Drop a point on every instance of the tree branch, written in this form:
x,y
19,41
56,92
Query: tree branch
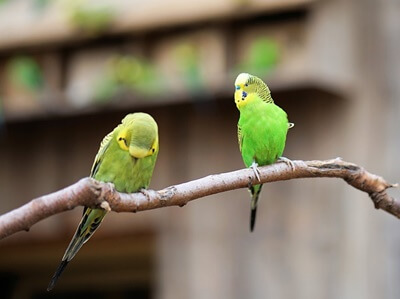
x,y
94,194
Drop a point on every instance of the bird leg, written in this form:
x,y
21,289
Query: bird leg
x,y
254,167
288,162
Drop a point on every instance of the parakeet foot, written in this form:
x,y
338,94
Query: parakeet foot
x,y
288,162
256,171
146,193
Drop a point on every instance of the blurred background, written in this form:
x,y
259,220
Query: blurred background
x,y
70,71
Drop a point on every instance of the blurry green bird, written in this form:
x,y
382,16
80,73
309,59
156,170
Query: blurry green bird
x,y
126,158
262,129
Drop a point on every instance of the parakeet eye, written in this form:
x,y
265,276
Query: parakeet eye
x,y
123,145
122,139
153,150
246,85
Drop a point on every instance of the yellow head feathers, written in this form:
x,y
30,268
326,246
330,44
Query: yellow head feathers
x,y
242,79
247,86
138,134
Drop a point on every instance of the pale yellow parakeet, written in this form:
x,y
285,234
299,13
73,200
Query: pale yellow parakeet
x,y
126,158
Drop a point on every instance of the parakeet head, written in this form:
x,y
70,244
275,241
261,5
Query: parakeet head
x,y
247,87
138,134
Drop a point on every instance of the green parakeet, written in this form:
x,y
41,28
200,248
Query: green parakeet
x,y
262,129
126,158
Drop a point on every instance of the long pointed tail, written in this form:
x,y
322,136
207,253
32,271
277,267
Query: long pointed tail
x,y
56,275
76,243
255,193
89,223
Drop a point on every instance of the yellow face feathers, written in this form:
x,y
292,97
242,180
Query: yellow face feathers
x,y
249,87
138,134
122,139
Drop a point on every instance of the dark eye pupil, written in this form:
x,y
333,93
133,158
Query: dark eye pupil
x,y
153,150
123,139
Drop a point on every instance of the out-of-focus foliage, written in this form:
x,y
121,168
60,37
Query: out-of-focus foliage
x,y
188,61
263,56
41,4
26,73
127,73
90,18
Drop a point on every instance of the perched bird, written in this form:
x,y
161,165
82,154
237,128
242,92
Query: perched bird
x,y
262,130
126,158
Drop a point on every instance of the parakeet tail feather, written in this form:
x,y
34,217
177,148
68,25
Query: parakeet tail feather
x,y
56,275
253,213
255,193
89,223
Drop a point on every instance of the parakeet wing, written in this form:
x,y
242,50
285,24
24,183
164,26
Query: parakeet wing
x,y
91,218
103,148
240,137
